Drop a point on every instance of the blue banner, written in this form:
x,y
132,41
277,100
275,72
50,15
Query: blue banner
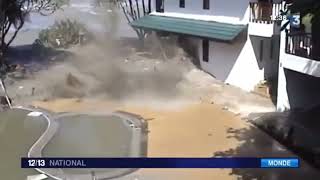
x,y
159,163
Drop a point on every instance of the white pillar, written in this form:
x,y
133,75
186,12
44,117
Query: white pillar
x,y
282,99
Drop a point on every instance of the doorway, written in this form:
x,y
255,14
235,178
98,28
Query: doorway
x,y
159,5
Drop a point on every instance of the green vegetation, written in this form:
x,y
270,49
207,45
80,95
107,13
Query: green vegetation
x,y
62,2
64,34
13,14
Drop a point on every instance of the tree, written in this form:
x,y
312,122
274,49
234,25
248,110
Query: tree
x,y
63,34
134,10
13,14
112,19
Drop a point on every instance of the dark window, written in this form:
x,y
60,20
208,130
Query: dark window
x,y
261,50
159,6
205,50
182,3
206,4
271,48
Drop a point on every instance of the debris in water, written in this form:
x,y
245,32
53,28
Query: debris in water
x,y
32,91
37,177
35,114
3,100
58,42
18,73
73,81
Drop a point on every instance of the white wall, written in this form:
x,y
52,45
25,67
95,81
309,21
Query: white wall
x,y
234,63
239,63
300,64
229,8
246,73
265,30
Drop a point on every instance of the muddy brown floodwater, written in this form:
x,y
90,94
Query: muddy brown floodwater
x,y
194,130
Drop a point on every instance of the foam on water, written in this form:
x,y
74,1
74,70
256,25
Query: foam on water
x,y
84,7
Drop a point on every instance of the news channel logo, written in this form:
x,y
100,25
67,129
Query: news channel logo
x,y
293,19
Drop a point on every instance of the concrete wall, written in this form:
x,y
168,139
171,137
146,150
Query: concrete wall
x,y
239,63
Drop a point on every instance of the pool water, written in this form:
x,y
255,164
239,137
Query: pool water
x,y
18,132
90,136
76,135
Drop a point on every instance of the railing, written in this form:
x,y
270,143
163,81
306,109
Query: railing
x,y
300,44
265,12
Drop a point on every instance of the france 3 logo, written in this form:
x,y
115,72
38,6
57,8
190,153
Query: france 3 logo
x,y
293,19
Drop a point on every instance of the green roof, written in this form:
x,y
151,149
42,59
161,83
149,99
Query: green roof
x,y
198,28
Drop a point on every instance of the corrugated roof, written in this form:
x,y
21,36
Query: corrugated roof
x,y
203,29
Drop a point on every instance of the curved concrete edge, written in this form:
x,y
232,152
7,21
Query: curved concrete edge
x,y
36,148
139,125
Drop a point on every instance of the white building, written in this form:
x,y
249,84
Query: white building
x,y
237,41
299,71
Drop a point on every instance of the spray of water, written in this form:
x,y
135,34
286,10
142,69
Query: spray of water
x,y
111,69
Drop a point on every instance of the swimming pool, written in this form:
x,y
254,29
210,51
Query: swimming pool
x,y
117,134
18,132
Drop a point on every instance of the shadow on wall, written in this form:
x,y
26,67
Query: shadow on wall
x,y
223,56
259,46
303,90
266,52
258,144
191,49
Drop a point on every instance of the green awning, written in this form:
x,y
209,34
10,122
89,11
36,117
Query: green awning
x,y
198,28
